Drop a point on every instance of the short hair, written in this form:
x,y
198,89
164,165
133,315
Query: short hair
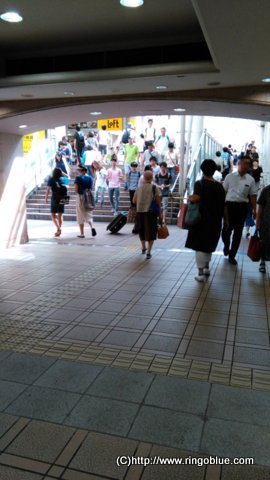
x,y
134,164
218,154
170,145
150,144
113,158
103,127
153,158
150,120
57,173
208,167
147,168
163,164
78,128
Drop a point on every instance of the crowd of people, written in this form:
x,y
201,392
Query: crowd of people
x,y
228,192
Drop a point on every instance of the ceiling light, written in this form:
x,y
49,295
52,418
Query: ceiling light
x,y
22,126
161,87
26,95
266,80
212,84
70,94
95,113
131,3
12,17
179,109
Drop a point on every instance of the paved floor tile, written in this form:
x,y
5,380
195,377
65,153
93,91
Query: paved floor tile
x,y
205,349
151,299
167,427
179,394
170,326
144,310
214,319
161,343
235,439
8,473
98,319
252,322
82,332
213,333
69,376
8,392
41,441
135,322
251,336
252,356
6,421
177,313
121,384
23,368
239,404
103,415
90,456
245,472
65,314
121,339
251,309
44,404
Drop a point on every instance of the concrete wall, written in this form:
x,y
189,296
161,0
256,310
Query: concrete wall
x,y
12,191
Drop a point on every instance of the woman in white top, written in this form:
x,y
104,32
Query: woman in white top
x,y
172,160
114,176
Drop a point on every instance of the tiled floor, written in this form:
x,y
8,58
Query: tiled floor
x,y
104,354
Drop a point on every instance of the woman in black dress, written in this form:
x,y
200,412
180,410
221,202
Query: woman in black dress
x,y
204,236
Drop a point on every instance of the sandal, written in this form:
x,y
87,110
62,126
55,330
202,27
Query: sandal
x,y
80,236
58,233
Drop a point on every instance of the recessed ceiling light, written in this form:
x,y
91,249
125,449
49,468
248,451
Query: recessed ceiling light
x,y
70,94
161,87
179,109
22,126
95,113
266,80
12,17
131,3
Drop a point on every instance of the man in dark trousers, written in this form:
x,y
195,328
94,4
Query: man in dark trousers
x,y
240,189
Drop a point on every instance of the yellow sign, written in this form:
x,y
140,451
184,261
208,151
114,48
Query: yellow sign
x,y
28,140
111,123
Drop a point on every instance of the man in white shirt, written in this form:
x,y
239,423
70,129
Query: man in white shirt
x,y
150,152
162,143
239,187
150,133
104,139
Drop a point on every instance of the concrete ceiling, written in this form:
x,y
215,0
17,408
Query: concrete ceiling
x,y
67,59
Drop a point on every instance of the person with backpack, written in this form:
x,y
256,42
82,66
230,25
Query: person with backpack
x,y
59,192
131,155
164,180
82,183
133,180
79,143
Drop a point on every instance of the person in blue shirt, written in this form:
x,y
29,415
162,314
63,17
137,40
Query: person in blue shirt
x,y
81,183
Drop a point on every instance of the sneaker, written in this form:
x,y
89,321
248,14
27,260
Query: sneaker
x,y
232,261
200,278
226,251
262,268
148,256
94,232
143,251
206,272
247,235
80,236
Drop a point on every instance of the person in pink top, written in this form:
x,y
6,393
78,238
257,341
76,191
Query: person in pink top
x,y
114,177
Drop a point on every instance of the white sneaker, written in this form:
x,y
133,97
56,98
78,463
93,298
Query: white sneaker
x,y
206,272
200,278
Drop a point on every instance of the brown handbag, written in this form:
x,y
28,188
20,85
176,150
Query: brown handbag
x,y
163,232
255,248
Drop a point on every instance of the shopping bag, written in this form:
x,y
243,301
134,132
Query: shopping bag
x,y
255,248
181,216
162,232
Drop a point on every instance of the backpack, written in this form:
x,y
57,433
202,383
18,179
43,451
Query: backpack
x,y
80,139
88,201
61,194
125,136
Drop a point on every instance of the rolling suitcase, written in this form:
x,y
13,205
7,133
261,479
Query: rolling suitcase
x,y
118,222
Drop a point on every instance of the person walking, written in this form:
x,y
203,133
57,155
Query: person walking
x,y
204,236
83,182
114,176
146,220
263,226
55,184
240,188
100,184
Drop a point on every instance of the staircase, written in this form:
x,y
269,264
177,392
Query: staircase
x,y
37,209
